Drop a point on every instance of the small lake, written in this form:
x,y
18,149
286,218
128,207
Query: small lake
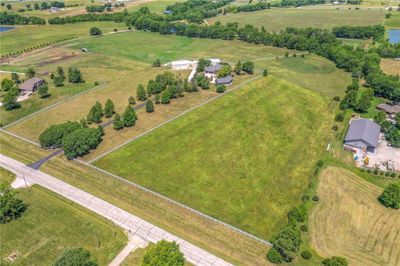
x,y
3,28
394,36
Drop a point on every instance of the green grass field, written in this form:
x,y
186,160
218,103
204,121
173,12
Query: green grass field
x,y
280,19
28,36
245,158
52,224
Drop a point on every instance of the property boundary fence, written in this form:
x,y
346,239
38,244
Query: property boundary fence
x,y
54,105
240,231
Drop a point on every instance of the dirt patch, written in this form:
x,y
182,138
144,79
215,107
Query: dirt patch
x,y
56,59
390,66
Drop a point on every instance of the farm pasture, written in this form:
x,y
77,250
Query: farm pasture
x,y
237,158
280,18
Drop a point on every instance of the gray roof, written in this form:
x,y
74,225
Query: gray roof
x,y
224,80
31,84
365,130
213,68
390,109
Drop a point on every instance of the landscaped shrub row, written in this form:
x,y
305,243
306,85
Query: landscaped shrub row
x,y
382,173
36,47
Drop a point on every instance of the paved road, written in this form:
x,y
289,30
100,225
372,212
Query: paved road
x,y
134,243
129,222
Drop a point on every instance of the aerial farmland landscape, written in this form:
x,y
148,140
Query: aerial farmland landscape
x,y
200,132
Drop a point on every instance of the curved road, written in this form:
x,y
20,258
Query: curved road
x,y
129,222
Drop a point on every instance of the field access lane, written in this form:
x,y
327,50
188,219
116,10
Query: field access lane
x,y
129,222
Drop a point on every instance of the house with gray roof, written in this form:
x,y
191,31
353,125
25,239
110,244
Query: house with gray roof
x,y
388,108
224,80
31,85
363,134
213,69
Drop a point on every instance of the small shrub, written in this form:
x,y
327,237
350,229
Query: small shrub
x,y
376,171
335,128
336,98
305,198
306,255
369,171
387,174
303,228
393,175
339,117
274,256
96,83
315,198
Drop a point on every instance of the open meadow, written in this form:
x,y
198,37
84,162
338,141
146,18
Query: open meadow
x,y
349,221
55,224
250,182
216,238
23,37
279,19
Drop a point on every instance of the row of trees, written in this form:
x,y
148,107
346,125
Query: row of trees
x,y
195,11
118,17
356,99
15,19
360,32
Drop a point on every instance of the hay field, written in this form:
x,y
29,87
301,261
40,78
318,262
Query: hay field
x,y
350,222
281,18
237,158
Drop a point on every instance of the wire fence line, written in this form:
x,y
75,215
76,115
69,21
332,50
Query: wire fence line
x,y
240,231
19,137
170,120
54,105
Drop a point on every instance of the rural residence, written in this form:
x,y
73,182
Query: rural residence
x,y
31,85
224,81
363,134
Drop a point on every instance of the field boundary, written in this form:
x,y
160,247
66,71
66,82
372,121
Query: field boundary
x,y
170,120
240,231
53,105
19,137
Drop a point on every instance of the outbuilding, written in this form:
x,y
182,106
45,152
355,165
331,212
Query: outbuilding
x,y
224,81
363,134
31,85
388,108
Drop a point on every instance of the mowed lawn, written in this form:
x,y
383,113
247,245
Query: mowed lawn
x,y
281,18
245,159
52,224
28,36
349,221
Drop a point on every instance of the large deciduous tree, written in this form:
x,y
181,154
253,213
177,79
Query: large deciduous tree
x,y
163,253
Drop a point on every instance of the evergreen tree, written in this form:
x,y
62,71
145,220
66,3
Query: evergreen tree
x,y
60,73
94,31
129,117
95,113
118,123
83,122
58,81
149,106
238,68
265,72
74,75
43,91
248,67
165,97
157,63
141,93
10,99
109,108
6,84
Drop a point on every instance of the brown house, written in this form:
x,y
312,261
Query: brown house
x,y
29,86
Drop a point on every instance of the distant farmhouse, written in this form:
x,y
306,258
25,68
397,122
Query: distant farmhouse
x,y
212,71
363,134
224,81
31,85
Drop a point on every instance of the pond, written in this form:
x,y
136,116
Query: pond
x,y
3,29
394,36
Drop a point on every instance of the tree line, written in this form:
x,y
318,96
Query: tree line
x,y
15,19
360,32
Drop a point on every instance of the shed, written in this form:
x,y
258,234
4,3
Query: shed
x,y
30,85
363,134
213,69
224,81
